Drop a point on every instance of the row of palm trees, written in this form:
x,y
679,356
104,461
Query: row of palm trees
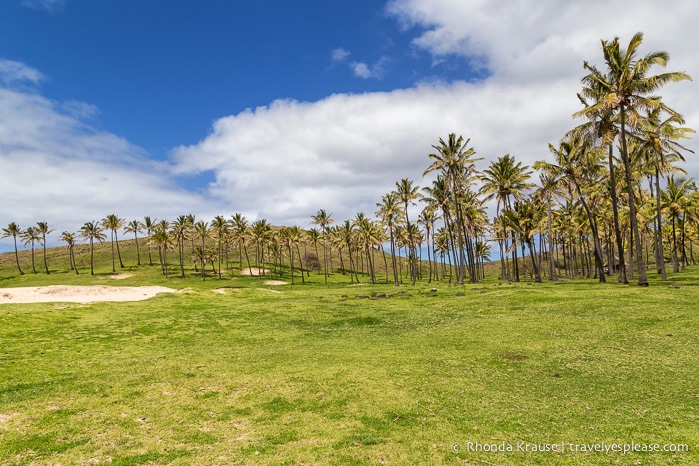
x,y
591,215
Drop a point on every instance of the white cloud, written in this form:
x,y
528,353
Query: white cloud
x,y
48,5
364,71
56,168
285,161
14,72
339,55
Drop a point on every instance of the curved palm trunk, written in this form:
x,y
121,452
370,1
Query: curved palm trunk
x,y
595,237
17,256
92,257
615,210
116,236
46,265
552,268
532,255
659,252
138,252
640,266
393,255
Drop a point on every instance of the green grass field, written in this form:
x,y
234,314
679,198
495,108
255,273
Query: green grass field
x,y
313,375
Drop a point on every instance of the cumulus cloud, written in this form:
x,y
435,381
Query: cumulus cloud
x,y
47,5
14,72
339,55
57,168
286,160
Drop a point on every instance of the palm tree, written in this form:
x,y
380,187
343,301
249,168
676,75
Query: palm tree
x,y
219,225
658,144
601,130
201,232
454,159
31,236
69,238
428,218
576,167
525,219
13,230
675,200
162,239
148,225
134,226
92,232
323,219
407,193
113,223
389,209
625,89
43,229
180,229
240,224
505,179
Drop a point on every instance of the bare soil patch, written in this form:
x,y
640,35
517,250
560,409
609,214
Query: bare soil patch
x,y
79,294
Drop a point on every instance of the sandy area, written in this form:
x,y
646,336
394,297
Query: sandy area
x,y
275,282
79,294
255,272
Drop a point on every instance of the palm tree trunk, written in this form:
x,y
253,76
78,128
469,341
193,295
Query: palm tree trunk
x,y
659,253
642,279
17,256
615,209
552,268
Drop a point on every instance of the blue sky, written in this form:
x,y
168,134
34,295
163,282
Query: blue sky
x,y
159,72
277,109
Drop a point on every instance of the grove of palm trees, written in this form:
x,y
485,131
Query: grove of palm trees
x,y
611,201
461,322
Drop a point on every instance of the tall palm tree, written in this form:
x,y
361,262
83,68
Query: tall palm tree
x,y
134,226
180,229
428,218
455,160
31,236
148,226
506,179
407,194
657,139
202,232
113,223
323,219
626,88
240,224
601,129
13,230
675,201
69,238
44,230
389,210
219,225
578,167
163,240
92,232
525,219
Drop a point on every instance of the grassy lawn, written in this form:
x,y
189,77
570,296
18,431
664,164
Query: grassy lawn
x,y
259,374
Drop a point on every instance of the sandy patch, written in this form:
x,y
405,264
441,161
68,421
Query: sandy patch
x,y
79,294
121,276
219,291
254,272
275,282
